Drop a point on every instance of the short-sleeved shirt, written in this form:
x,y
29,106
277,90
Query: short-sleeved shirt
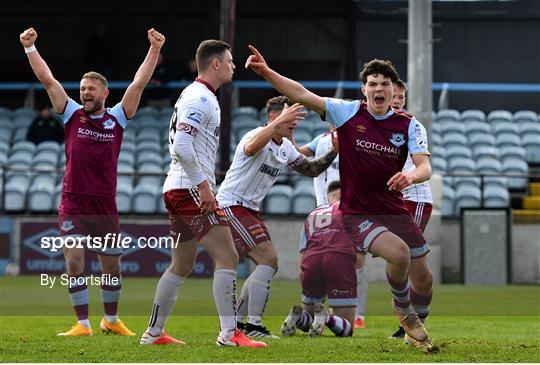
x,y
250,177
92,148
320,147
373,149
323,232
420,193
196,112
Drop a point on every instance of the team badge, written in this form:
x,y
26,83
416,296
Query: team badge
x,y
83,119
283,154
398,139
108,124
194,115
365,225
67,225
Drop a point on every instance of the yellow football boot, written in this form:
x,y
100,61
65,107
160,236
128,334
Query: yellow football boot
x,y
118,328
77,330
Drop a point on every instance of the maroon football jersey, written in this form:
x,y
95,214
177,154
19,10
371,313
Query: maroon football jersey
x,y
92,149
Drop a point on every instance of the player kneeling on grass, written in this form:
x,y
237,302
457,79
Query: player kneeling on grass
x,y
260,156
327,270
88,205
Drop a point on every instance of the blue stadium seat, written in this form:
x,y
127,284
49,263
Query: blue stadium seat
x,y
166,112
166,162
45,160
438,164
19,135
435,127
496,196
156,179
49,146
517,166
125,174
148,147
45,178
147,111
531,143
438,151
148,134
241,127
504,140
436,139
123,197
499,116
145,198
5,112
529,128
129,136
478,140
457,152
472,116
447,208
278,200
15,196
525,116
303,199
452,127
126,158
40,196
444,115
505,128
23,146
247,111
486,152
24,112
467,196
513,152
152,158
488,165
460,164
454,139
20,159
474,127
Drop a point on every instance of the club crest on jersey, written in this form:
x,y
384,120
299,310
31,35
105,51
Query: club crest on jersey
x,y
365,225
283,154
398,139
83,119
108,124
67,225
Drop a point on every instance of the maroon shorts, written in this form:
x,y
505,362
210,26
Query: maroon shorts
x,y
365,229
331,274
247,228
83,215
420,212
185,219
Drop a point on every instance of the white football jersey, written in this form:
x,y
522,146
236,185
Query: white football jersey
x,y
321,182
197,107
250,177
420,193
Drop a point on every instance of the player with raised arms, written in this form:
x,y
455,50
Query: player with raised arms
x,y
259,158
374,143
88,205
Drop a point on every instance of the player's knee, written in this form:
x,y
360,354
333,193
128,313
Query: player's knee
x,y
182,270
74,265
401,255
423,283
270,259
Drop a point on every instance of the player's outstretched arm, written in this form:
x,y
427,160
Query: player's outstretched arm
x,y
261,138
421,173
56,92
314,168
290,88
132,97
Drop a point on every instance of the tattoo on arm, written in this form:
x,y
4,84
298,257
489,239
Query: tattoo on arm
x,y
314,167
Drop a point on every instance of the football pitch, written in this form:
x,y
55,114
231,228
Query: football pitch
x,y
468,324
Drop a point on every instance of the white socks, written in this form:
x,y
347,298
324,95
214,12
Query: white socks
x,y
224,288
255,293
85,323
361,292
164,301
259,290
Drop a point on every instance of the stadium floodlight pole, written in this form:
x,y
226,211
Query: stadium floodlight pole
x,y
420,62
226,33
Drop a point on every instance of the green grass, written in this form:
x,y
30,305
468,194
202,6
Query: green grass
x,y
468,324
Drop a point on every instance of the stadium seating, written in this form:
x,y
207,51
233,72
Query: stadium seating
x,y
278,200
145,198
40,196
303,199
472,116
499,116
